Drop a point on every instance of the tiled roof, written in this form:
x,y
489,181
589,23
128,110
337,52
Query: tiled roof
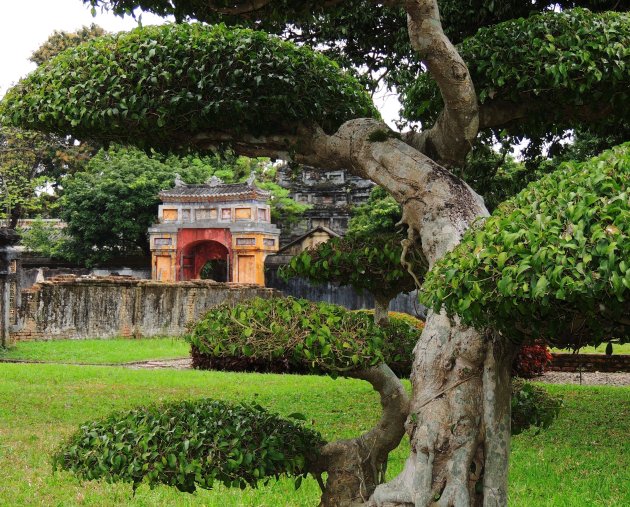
x,y
214,192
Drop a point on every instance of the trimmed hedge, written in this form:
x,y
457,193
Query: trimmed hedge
x,y
190,444
159,86
295,335
532,407
551,263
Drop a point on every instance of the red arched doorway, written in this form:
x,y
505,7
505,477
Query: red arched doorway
x,y
208,258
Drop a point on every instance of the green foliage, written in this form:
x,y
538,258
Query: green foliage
x,y
496,175
46,239
189,445
364,262
159,86
532,406
378,215
550,263
359,34
301,335
559,59
30,161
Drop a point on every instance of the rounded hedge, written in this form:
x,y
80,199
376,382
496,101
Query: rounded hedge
x,y
558,59
553,262
190,444
160,85
298,336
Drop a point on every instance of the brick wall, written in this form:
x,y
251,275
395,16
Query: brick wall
x,y
103,307
590,362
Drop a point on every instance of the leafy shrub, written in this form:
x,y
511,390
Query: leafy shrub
x,y
160,85
532,406
190,444
531,360
550,263
298,336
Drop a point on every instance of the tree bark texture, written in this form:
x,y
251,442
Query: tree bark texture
x,y
381,310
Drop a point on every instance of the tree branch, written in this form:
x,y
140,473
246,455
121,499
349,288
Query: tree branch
x,y
356,466
450,139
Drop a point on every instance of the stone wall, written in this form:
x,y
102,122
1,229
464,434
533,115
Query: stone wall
x,y
590,362
103,307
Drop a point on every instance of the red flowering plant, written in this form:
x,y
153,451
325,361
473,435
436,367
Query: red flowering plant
x,y
531,360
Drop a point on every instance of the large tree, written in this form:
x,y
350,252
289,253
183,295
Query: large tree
x,y
33,163
195,87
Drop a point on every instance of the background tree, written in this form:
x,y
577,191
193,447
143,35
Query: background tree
x,y
32,163
61,40
191,86
367,258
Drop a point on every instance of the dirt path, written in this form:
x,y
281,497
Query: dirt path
x,y
160,364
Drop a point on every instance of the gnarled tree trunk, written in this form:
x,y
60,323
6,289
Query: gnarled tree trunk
x,y
356,466
459,418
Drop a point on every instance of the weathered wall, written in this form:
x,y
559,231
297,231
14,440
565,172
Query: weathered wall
x,y
104,307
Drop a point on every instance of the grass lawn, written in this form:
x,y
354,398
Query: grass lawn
x,y
623,348
120,350
583,460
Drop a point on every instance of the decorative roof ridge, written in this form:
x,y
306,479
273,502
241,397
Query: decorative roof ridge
x,y
215,188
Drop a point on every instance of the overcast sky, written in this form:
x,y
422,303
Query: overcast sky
x,y
26,24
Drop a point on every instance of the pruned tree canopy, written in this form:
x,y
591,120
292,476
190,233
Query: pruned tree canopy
x,y
370,263
552,262
160,86
531,72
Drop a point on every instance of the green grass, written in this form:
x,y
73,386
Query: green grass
x,y
119,350
623,348
582,460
